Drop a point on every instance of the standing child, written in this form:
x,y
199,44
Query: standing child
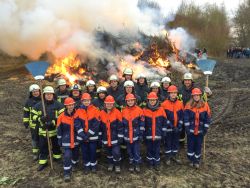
x,y
174,112
87,126
34,98
196,121
112,133
67,138
155,129
133,123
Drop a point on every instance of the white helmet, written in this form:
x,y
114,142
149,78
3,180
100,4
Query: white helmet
x,y
128,71
34,87
166,79
48,89
101,89
141,75
129,83
90,83
113,77
188,76
155,84
61,82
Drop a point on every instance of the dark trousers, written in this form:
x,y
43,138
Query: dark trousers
x,y
153,151
44,152
171,143
70,155
133,150
194,145
34,140
114,154
89,154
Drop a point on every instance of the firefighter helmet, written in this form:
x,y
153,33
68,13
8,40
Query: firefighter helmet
x,y
86,96
48,89
172,89
109,99
129,83
61,82
69,101
130,96
76,87
101,89
196,91
113,78
141,75
188,76
90,83
155,84
34,87
152,95
127,71
166,79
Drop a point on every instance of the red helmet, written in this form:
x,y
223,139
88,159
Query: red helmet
x,y
86,96
152,95
69,101
109,99
172,89
130,96
196,91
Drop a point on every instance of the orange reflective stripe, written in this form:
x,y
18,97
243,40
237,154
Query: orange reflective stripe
x,y
197,119
130,130
108,133
175,114
153,126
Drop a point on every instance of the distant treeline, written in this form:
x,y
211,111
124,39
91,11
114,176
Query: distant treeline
x,y
212,27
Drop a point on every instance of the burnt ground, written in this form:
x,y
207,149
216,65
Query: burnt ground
x,y
227,145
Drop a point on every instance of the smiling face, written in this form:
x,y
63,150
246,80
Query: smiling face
x,y
152,102
128,77
109,106
131,102
113,83
70,108
76,93
86,102
155,89
141,81
129,89
165,85
36,93
196,98
188,83
102,95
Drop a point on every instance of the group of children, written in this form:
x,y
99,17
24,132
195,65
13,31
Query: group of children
x,y
102,119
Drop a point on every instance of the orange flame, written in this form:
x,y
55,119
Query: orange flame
x,y
68,66
103,83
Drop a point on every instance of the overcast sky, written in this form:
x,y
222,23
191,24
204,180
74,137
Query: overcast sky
x,y
230,5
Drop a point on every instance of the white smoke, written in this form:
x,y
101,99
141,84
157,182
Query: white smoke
x,y
35,27
182,40
58,27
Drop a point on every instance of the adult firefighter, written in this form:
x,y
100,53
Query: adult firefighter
x,y
62,91
165,83
141,88
34,98
91,88
114,89
53,110
76,94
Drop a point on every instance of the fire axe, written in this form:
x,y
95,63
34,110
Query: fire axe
x,y
38,70
207,67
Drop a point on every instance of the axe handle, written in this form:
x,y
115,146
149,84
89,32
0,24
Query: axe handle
x,y
47,132
204,143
